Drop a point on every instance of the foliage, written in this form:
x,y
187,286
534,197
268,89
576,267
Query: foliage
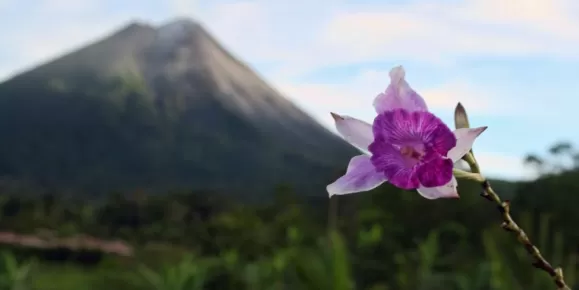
x,y
188,273
13,274
383,239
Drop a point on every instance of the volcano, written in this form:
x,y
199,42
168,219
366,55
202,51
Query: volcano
x,y
160,108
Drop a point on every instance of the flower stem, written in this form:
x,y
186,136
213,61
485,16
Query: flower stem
x,y
511,226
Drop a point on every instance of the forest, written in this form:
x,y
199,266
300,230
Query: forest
x,y
383,239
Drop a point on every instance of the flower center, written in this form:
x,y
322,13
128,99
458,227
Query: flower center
x,y
411,155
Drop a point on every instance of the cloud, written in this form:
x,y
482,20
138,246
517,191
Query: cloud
x,y
477,100
264,31
53,28
35,48
447,31
184,8
510,167
549,17
355,96
69,7
243,27
301,36
441,32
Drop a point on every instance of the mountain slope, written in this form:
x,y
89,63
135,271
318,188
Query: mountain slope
x,y
159,107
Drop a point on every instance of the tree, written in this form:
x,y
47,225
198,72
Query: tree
x,y
536,162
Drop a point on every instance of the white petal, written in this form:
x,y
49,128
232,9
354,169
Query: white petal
x,y
357,132
360,176
464,139
445,191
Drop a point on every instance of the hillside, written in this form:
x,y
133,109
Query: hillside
x,y
159,108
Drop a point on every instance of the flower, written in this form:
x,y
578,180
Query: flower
x,y
407,145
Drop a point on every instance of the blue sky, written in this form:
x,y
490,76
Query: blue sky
x,y
513,64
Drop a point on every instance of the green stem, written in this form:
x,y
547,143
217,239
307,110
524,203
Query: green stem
x,y
511,226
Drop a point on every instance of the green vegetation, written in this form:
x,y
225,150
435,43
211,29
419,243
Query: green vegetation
x,y
386,239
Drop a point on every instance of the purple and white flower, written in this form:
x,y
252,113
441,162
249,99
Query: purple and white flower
x,y
407,145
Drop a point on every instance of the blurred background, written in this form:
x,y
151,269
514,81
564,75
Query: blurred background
x,y
182,144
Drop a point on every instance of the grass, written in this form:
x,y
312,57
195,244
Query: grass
x,y
505,266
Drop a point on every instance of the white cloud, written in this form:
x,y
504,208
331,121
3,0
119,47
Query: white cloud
x,y
355,96
53,28
477,100
438,32
263,31
301,36
43,47
69,7
511,167
184,7
445,31
553,17
243,27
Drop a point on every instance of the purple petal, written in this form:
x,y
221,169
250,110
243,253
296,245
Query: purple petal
x,y
445,191
465,138
388,160
357,132
360,176
399,95
400,127
435,171
441,140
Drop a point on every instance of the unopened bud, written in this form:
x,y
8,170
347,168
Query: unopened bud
x,y
460,117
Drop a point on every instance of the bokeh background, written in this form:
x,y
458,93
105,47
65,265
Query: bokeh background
x,y
186,144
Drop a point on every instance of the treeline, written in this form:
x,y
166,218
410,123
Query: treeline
x,y
388,239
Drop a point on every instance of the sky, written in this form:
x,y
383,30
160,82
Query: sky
x,y
514,64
